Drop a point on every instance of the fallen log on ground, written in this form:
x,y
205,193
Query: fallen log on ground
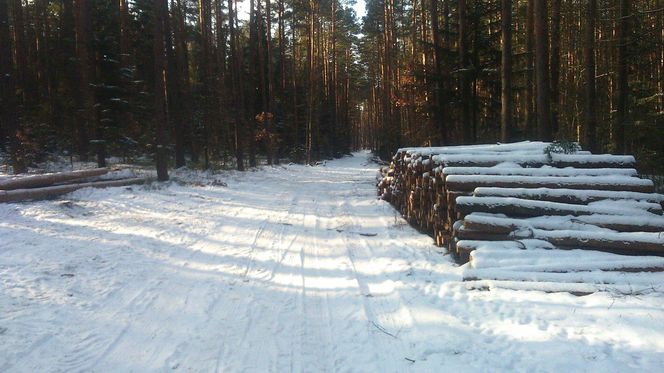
x,y
19,195
45,180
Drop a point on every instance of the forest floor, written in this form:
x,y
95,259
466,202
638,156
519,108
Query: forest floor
x,y
287,268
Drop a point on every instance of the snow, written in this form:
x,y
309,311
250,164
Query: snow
x,y
124,173
581,194
570,222
517,154
534,158
558,208
593,158
578,181
633,238
523,147
509,168
287,269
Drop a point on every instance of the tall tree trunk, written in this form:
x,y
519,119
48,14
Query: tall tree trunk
x,y
8,110
221,77
296,119
83,95
282,50
310,93
622,109
542,71
439,97
160,90
204,14
20,48
589,133
272,152
506,72
254,99
239,107
181,81
44,75
124,34
555,65
173,87
262,67
530,68
333,84
466,116
70,70
125,55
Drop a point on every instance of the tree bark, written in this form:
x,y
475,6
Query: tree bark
x,y
439,112
333,83
20,49
254,98
270,86
239,109
160,91
555,65
310,63
542,71
204,24
466,116
8,102
589,133
506,72
622,109
83,95
180,115
530,68
263,85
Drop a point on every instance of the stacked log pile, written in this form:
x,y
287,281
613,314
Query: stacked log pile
x,y
523,199
55,184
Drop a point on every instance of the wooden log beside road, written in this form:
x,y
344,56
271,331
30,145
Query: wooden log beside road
x,y
18,195
37,181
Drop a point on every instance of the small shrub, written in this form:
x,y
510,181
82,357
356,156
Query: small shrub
x,y
562,146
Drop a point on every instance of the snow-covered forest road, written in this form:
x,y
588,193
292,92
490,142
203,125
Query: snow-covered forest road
x,y
286,269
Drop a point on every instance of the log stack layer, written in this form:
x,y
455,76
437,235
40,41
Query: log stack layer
x,y
477,199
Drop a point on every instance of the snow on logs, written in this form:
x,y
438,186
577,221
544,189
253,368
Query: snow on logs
x,y
37,181
468,183
524,199
55,184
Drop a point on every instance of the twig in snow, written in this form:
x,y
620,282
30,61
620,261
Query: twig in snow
x,y
409,359
383,330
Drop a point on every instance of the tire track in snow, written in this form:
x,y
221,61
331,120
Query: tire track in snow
x,y
138,306
252,317
315,339
378,309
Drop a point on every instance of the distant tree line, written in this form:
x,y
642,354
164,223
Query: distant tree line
x,y
190,81
179,79
473,71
